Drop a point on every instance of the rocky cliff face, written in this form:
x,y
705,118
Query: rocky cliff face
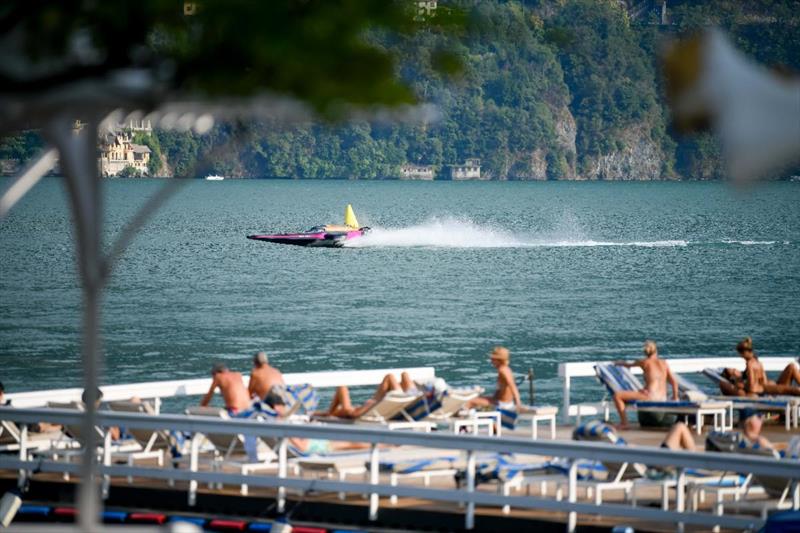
x,y
535,165
640,158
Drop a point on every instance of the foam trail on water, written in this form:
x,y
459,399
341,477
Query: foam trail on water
x,y
454,233
440,233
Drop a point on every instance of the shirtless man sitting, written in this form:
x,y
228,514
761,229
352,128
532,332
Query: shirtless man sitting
x,y
506,396
231,386
262,378
656,374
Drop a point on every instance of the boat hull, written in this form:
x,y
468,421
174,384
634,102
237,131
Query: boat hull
x,y
314,240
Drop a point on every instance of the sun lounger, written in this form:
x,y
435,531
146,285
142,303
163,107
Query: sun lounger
x,y
788,406
512,473
445,408
70,444
228,449
392,407
399,464
11,436
617,379
618,476
779,492
746,486
153,443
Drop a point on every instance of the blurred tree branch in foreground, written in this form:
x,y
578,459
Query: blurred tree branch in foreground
x,y
149,51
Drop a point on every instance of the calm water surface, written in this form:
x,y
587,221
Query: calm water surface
x,y
556,271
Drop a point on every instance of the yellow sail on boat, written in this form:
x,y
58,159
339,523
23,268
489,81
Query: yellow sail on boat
x,y
350,217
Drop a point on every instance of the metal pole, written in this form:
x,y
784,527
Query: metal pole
x,y
680,496
282,463
194,449
23,455
469,521
572,497
107,462
373,479
530,386
565,398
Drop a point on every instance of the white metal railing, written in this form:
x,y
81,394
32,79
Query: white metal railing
x,y
469,445
157,390
568,371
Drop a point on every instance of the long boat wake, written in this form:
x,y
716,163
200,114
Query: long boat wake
x,y
456,233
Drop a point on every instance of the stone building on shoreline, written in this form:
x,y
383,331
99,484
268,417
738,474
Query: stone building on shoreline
x,y
117,152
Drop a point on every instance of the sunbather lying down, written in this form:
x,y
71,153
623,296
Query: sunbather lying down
x,y
324,447
342,407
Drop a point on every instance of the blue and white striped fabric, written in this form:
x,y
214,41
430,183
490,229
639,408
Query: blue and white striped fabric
x,y
715,375
597,431
259,408
500,468
422,407
412,465
303,393
508,418
617,378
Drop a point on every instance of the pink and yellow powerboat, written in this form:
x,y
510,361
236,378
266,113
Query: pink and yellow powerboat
x,y
328,236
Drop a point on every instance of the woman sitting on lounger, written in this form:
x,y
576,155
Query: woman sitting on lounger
x,y
754,381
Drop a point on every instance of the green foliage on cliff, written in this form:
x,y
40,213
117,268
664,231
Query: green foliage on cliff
x,y
155,163
549,90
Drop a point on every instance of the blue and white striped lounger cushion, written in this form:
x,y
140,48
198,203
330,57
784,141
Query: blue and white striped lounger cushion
x,y
597,431
500,468
617,378
421,408
412,465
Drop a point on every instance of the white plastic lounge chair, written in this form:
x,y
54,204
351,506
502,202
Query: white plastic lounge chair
x,y
617,379
71,440
788,406
732,485
231,450
391,407
781,493
431,410
153,443
10,438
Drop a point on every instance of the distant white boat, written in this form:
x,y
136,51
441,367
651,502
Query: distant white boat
x,y
215,177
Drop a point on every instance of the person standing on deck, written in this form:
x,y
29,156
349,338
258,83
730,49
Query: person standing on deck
x,y
231,386
262,378
656,374
506,396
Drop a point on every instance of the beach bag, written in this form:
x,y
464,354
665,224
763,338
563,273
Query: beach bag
x,y
723,441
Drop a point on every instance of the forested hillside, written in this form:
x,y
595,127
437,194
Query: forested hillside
x,y
559,89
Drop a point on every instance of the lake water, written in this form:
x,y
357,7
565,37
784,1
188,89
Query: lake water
x,y
555,271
